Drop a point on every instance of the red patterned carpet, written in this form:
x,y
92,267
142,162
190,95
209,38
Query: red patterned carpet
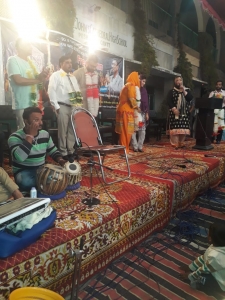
x,y
151,270
162,181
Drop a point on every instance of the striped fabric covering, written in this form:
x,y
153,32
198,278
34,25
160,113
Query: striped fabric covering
x,y
151,270
25,155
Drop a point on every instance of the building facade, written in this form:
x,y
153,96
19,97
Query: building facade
x,y
106,25
195,17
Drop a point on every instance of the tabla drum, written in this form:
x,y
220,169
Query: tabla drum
x,y
74,172
51,179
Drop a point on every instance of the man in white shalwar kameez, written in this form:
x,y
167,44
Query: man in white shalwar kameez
x,y
219,124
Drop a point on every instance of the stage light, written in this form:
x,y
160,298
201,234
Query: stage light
x,y
27,18
93,42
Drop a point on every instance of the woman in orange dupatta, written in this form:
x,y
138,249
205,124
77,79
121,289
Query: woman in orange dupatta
x,y
125,110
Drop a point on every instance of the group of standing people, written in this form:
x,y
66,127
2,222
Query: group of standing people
x,y
132,113
27,86
180,108
29,145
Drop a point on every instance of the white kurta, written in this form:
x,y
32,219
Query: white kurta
x,y
219,113
137,115
60,87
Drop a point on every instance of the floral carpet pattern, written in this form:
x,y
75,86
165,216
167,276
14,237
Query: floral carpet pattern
x,y
128,211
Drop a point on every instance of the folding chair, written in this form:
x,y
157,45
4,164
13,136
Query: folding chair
x,y
88,140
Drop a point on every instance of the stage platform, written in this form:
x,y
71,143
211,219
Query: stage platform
x,y
163,181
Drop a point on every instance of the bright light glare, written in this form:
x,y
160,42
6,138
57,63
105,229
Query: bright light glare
x,y
27,18
93,42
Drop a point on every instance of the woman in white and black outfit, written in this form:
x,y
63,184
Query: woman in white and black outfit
x,y
179,124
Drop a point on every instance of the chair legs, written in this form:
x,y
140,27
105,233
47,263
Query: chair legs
x,y
103,172
101,154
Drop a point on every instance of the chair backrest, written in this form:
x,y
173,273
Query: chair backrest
x,y
85,128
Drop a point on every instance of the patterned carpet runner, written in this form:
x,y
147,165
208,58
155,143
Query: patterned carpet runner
x,y
151,270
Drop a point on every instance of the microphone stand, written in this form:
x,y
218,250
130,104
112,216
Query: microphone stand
x,y
93,200
77,253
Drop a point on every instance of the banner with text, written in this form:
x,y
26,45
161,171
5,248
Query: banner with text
x,y
109,68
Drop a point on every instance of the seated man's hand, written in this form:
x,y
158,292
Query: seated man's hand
x,y
32,129
17,194
61,161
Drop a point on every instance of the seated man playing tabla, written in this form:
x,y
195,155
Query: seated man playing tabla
x,y
29,147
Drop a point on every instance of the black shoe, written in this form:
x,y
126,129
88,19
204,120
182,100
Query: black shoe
x,y
135,150
140,150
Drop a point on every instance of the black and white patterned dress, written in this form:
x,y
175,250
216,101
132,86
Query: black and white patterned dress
x,y
180,124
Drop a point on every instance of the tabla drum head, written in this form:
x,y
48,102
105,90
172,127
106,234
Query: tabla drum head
x,y
73,168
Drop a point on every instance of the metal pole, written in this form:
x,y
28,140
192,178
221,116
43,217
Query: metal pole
x,y
77,253
91,181
76,274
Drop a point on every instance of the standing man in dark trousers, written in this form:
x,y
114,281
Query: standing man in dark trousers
x,y
61,83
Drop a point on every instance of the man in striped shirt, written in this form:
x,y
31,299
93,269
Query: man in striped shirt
x,y
207,272
29,147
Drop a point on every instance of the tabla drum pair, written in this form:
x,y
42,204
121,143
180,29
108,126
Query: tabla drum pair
x,y
53,180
